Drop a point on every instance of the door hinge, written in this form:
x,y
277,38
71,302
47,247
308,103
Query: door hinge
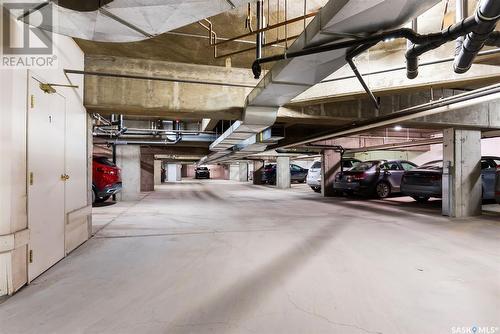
x,y
31,178
30,256
32,101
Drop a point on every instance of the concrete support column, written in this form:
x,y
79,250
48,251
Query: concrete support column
x,y
243,172
234,172
462,188
128,158
283,177
174,172
225,172
157,172
258,167
147,172
330,164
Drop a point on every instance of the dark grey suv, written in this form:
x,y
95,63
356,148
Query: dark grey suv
x,y
375,177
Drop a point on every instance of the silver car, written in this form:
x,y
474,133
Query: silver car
x,y
314,175
379,177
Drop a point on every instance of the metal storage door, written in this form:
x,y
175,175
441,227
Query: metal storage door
x,y
46,178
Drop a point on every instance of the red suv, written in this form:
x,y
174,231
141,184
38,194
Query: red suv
x,y
106,179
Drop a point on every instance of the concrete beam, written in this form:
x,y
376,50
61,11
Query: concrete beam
x,y
208,124
343,85
167,99
483,116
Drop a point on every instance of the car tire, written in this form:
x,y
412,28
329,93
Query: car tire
x,y
94,197
421,199
382,190
337,193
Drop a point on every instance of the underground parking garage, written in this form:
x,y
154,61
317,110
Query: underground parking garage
x,y
265,166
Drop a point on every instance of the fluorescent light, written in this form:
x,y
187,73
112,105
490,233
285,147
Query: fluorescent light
x,y
398,128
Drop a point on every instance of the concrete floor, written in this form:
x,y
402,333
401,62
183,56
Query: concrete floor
x,y
222,257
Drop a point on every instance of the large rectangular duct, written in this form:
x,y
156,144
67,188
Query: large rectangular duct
x,y
338,20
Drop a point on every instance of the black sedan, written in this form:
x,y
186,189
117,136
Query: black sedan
x,y
202,173
297,174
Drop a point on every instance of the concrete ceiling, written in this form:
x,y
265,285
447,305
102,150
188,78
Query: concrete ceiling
x,y
190,44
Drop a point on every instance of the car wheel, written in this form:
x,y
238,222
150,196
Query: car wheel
x,y
382,190
94,197
421,199
102,199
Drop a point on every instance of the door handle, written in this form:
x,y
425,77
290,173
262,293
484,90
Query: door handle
x,y
64,177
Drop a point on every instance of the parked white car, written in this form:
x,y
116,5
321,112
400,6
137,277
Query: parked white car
x,y
314,175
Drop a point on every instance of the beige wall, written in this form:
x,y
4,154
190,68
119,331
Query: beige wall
x,y
14,232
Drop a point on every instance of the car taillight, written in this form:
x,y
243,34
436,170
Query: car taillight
x,y
358,177
105,171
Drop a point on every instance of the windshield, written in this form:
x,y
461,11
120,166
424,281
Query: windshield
x,y
433,165
317,164
202,168
104,161
364,166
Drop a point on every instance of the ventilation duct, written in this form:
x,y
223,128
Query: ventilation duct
x,y
124,20
337,21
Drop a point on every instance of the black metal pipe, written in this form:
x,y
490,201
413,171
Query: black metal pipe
x,y
486,17
449,34
421,43
349,58
391,34
461,12
400,68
